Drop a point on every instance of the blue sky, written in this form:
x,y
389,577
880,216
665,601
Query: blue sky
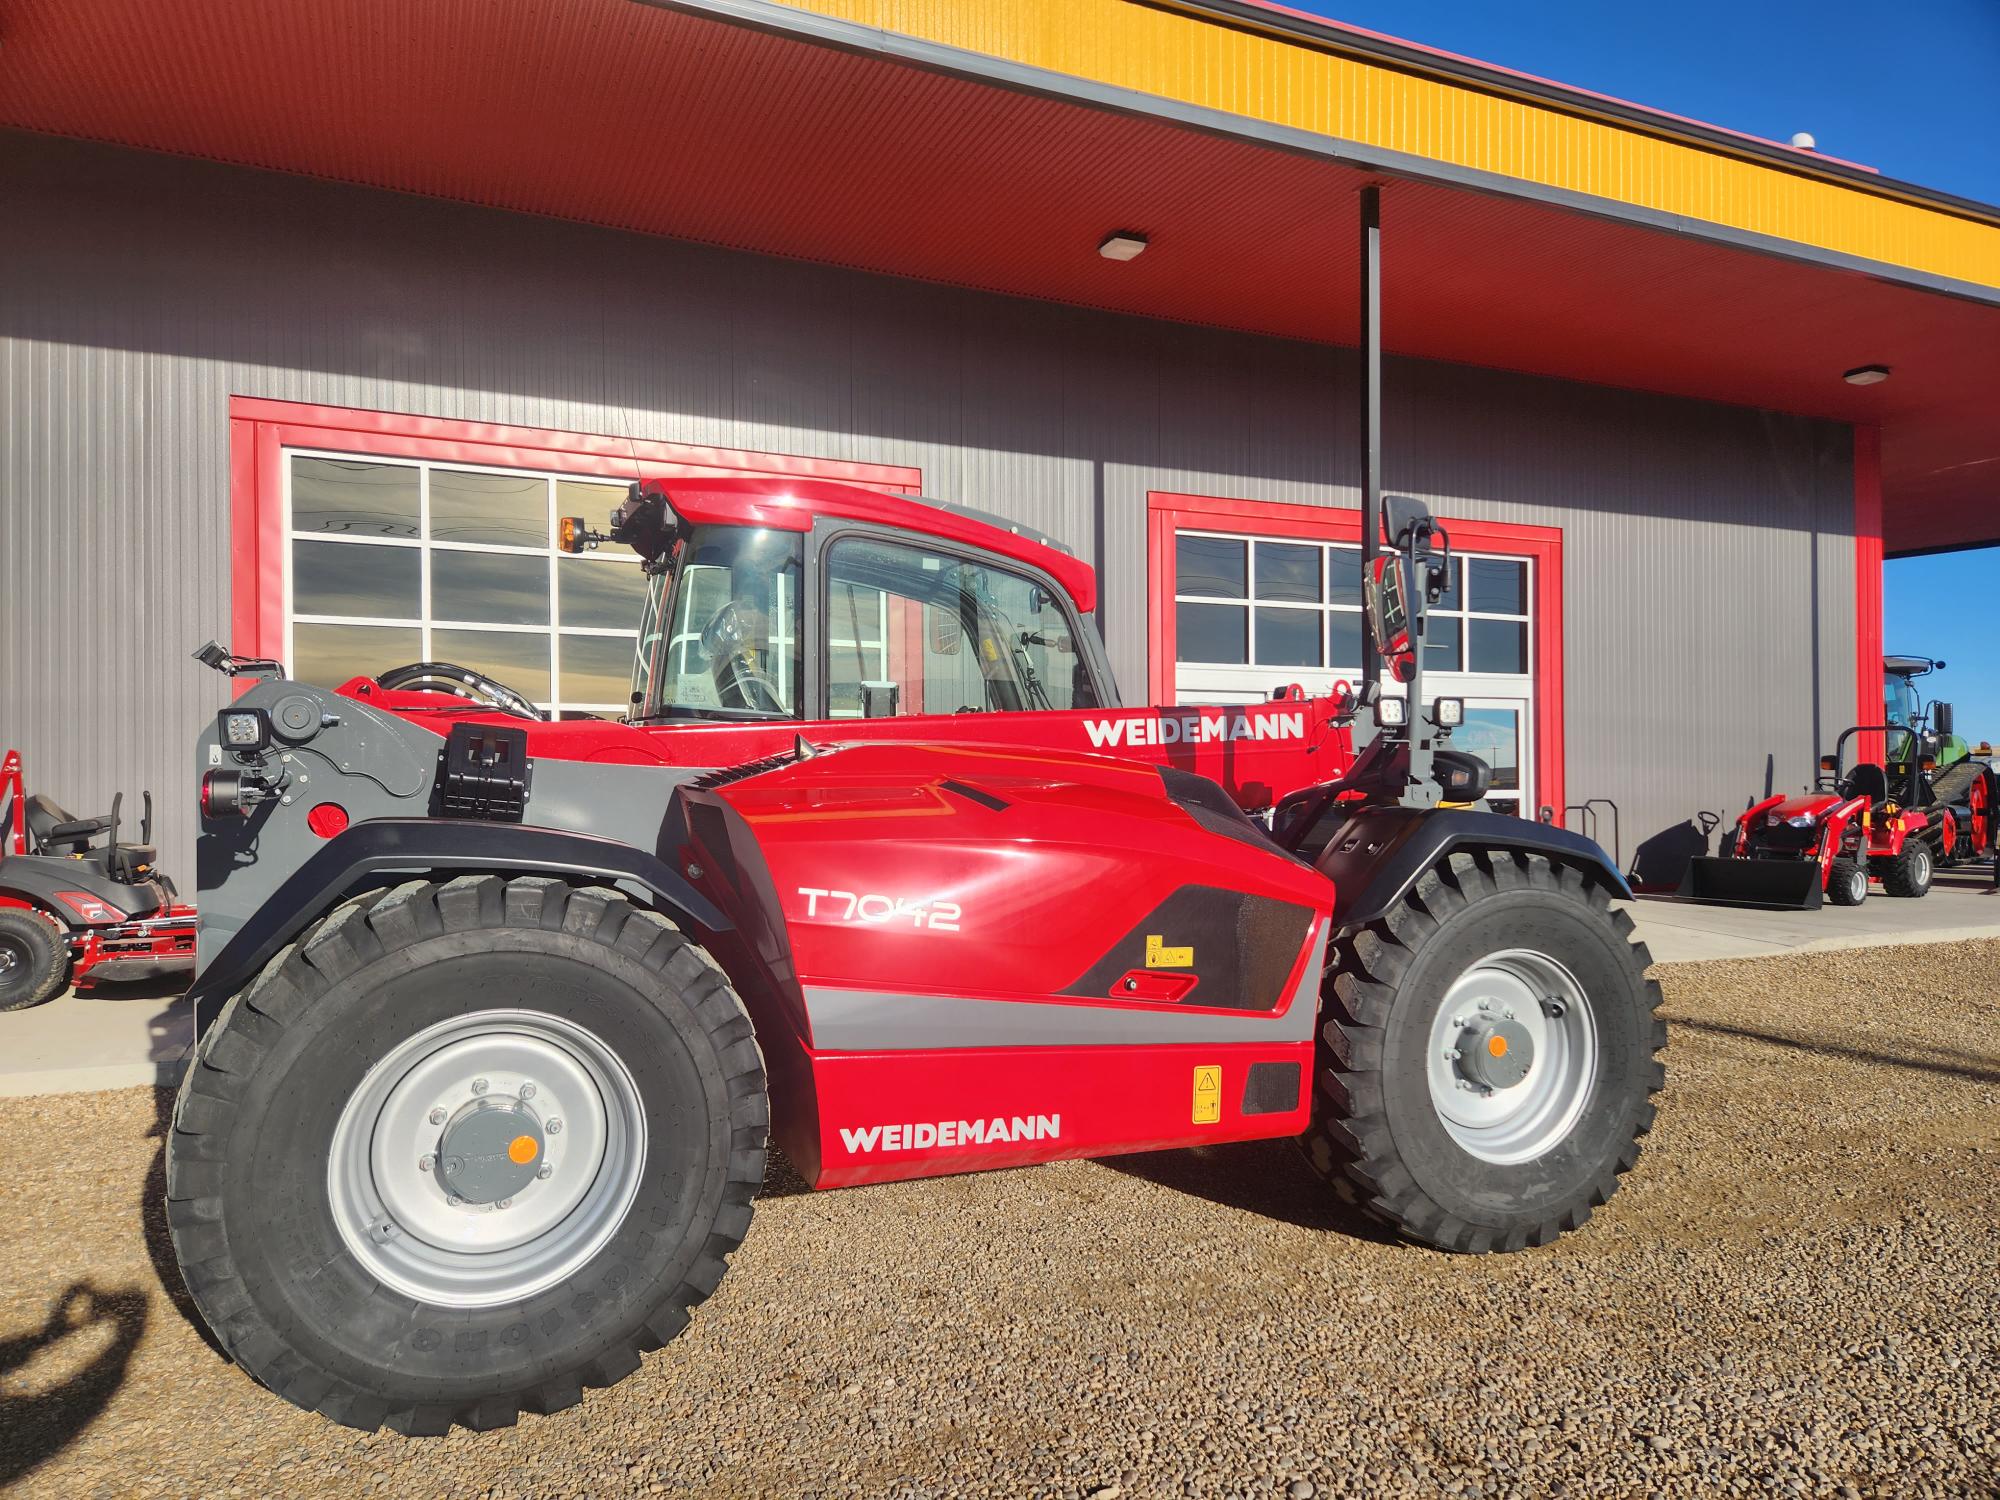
x,y
1913,90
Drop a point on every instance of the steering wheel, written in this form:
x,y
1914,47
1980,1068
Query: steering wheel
x,y
460,682
725,638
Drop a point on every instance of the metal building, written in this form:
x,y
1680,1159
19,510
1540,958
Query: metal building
x,y
312,319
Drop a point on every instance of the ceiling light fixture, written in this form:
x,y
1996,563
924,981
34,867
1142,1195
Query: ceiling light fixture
x,y
1866,375
1122,244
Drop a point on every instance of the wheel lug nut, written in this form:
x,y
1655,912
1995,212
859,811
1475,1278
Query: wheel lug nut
x,y
546,1172
1507,1015
437,1117
527,1091
1451,1054
505,1203
479,1085
554,1127
455,1201
425,1163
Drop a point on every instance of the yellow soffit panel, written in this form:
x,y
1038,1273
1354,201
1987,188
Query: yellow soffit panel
x,y
1129,44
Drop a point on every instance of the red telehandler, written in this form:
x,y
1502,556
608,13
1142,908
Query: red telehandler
x,y
496,1013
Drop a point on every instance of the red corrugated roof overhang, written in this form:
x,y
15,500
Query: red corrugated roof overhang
x,y
651,119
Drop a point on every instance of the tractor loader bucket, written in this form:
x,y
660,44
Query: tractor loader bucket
x,y
1775,884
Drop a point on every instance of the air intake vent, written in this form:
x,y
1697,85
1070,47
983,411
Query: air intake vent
x,y
723,775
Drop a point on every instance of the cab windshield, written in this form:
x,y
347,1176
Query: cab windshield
x,y
1900,701
721,636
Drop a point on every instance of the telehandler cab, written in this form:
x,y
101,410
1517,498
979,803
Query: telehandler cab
x,y
496,1013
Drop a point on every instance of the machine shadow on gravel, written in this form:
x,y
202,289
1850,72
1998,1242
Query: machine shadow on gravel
x,y
1267,1178
153,1217
1967,1065
40,1420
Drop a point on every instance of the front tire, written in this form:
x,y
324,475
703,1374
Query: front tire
x,y
34,960
1487,1058
464,1150
1909,873
1847,882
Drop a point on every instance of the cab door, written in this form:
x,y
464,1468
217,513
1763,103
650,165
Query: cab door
x,y
905,625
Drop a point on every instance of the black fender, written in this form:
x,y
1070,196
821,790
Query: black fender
x,y
372,853
37,877
1379,853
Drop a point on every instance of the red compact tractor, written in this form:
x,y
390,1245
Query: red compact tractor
x,y
77,905
1900,818
497,1013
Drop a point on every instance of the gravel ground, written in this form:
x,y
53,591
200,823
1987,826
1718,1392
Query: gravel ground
x,y
1798,1292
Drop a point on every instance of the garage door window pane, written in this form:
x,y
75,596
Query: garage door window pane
x,y
607,594
597,669
1497,587
1443,651
1494,735
494,588
329,655
1288,637
1211,566
1343,639
350,497
509,510
1211,632
1287,571
594,502
1499,645
1343,583
329,578
519,660
1454,575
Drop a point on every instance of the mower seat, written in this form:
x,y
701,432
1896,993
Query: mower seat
x,y
54,830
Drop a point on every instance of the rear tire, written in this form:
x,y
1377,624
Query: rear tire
x,y
34,960
1847,882
306,1186
1909,873
1487,936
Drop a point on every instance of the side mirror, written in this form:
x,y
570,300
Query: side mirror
x,y
1388,613
1941,718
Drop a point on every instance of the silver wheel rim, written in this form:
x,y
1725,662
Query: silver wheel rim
x,y
1920,867
558,1086
1527,992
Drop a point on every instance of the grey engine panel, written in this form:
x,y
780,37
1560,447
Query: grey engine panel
x,y
379,765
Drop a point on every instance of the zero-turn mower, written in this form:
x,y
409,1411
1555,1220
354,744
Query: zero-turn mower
x,y
78,905
496,1013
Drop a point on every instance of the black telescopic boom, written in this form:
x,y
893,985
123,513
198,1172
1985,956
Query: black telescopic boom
x,y
1371,413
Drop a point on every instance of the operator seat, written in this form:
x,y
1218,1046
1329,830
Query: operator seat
x,y
52,830
1869,780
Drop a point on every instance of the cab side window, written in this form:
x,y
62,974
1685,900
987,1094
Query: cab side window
x,y
913,631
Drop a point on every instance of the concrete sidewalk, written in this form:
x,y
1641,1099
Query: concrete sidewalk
x,y
117,1038
113,1038
1960,907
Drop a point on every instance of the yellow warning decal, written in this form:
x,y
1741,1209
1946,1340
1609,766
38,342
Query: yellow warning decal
x,y
1208,1094
1160,956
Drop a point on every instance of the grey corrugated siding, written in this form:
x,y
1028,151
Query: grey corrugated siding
x,y
138,293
